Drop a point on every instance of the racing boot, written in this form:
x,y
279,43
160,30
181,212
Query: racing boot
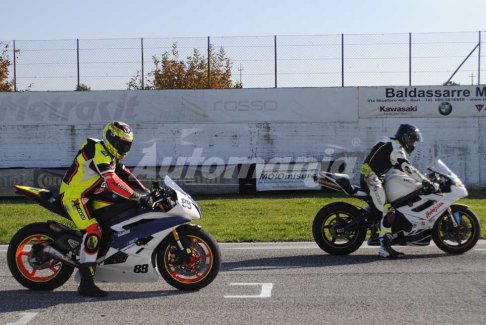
x,y
87,287
386,250
374,239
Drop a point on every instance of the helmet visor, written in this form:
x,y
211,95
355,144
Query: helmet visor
x,y
124,147
418,136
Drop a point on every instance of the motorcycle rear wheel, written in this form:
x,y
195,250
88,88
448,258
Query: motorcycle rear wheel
x,y
327,223
29,271
460,239
194,271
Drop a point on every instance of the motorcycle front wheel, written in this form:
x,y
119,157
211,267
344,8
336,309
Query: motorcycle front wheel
x,y
191,270
460,239
329,229
28,265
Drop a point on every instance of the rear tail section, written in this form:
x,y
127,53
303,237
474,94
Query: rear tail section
x,y
44,197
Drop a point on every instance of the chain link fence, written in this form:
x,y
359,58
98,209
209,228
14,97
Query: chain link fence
x,y
258,61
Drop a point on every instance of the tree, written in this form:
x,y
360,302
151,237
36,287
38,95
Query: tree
x,y
5,83
451,83
83,87
172,73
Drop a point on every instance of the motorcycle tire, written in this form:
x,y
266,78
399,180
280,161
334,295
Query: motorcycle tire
x,y
193,271
324,229
29,272
449,238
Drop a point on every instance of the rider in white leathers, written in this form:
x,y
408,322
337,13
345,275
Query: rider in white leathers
x,y
386,154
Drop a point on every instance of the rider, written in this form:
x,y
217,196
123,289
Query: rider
x,y
97,166
386,154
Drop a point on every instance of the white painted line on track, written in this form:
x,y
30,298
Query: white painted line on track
x,y
25,319
266,291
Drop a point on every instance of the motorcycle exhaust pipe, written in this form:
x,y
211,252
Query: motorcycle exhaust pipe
x,y
54,253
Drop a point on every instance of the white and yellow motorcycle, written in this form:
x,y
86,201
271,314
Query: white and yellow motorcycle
x,y
340,228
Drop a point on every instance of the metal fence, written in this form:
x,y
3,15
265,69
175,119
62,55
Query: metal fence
x,y
258,61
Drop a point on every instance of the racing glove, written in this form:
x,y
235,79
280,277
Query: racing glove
x,y
431,186
144,200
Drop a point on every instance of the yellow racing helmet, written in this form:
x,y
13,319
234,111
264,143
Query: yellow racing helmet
x,y
118,138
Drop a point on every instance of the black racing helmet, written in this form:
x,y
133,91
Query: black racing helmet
x,y
408,135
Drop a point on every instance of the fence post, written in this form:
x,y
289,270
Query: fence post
x,y
479,59
275,51
209,62
15,66
143,74
342,60
77,61
410,59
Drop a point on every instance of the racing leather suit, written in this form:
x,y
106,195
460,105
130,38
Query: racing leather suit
x,y
386,154
93,170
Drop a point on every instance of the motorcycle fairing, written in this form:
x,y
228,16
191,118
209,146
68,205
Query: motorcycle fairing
x,y
127,270
145,229
133,245
44,197
31,192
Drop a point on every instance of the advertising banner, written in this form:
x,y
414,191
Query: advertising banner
x,y
429,101
193,179
49,178
281,176
11,177
183,106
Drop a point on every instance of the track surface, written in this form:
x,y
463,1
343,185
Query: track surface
x,y
279,283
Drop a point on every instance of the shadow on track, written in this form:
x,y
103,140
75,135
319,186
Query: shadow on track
x,y
311,261
25,300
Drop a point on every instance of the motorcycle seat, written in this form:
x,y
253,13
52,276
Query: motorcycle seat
x,y
345,183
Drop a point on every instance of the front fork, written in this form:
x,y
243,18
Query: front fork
x,y
183,247
455,217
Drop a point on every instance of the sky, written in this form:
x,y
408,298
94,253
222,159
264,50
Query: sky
x,y
90,19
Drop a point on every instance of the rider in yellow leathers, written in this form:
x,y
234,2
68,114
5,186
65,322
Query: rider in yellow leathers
x,y
97,167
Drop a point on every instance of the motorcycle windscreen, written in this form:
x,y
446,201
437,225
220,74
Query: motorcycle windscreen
x,y
441,168
170,183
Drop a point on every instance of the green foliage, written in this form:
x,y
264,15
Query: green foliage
x,y
451,83
5,83
171,72
83,87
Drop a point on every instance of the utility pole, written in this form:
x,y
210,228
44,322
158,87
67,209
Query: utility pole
x,y
240,70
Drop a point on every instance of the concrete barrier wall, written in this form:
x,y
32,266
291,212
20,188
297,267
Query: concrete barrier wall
x,y
246,126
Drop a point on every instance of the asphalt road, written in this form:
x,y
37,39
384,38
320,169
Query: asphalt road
x,y
279,283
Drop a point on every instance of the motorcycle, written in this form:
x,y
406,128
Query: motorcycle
x,y
137,245
421,214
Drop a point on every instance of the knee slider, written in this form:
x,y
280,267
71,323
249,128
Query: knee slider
x,y
389,219
92,238
91,243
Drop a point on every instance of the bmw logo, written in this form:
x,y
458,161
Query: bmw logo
x,y
445,108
